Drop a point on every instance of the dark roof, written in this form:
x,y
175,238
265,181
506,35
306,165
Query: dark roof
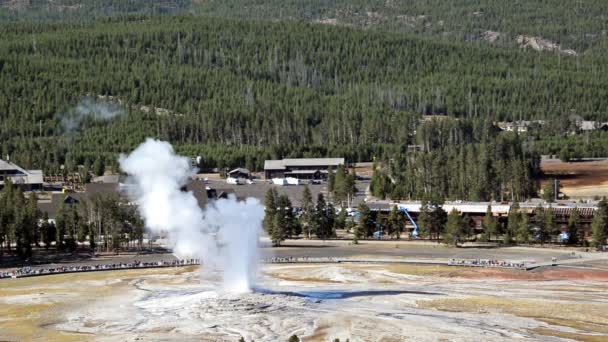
x,y
52,206
302,162
92,189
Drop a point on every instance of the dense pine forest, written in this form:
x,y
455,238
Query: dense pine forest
x,y
578,25
417,86
241,91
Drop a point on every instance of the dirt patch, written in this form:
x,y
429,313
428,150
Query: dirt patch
x,y
578,179
574,274
320,334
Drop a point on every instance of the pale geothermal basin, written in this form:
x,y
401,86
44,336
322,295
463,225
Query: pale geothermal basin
x,y
316,302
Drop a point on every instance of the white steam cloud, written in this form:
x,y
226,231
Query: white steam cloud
x,y
90,109
224,235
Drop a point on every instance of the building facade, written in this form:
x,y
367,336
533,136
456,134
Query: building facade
x,y
303,168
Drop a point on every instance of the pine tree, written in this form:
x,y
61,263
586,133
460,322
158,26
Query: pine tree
x,y
365,225
99,167
488,225
523,230
60,226
395,222
350,186
308,212
331,183
47,235
286,210
340,223
425,220
321,219
514,219
546,224
331,220
277,234
340,188
455,229
598,234
574,230
438,221
270,204
599,226
549,191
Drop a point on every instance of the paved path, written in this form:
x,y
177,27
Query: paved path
x,y
583,258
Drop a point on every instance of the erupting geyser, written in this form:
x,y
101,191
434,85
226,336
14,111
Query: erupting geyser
x,y
224,235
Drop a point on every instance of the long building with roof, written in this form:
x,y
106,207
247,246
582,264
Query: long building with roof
x,y
301,168
500,210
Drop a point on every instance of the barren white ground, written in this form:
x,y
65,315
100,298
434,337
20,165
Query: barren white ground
x,y
315,302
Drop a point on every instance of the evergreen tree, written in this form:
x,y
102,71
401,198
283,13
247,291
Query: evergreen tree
x,y
277,234
599,226
455,229
365,225
270,204
47,235
331,220
395,222
307,216
286,210
489,225
350,187
60,226
321,218
523,230
574,230
425,220
331,183
340,188
513,224
438,221
340,222
545,220
549,191
99,167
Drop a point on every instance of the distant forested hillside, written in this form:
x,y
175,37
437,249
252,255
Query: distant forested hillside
x,y
84,10
575,24
82,81
253,90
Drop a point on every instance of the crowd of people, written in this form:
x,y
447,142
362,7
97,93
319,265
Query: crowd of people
x,y
30,271
486,263
277,260
34,271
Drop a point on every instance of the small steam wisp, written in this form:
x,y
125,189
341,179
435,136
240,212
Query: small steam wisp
x,y
90,109
224,235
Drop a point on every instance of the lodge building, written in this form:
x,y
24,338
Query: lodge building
x,y
302,168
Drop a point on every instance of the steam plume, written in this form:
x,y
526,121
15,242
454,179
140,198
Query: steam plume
x,y
90,109
224,236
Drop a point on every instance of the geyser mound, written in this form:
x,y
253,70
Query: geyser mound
x,y
224,236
